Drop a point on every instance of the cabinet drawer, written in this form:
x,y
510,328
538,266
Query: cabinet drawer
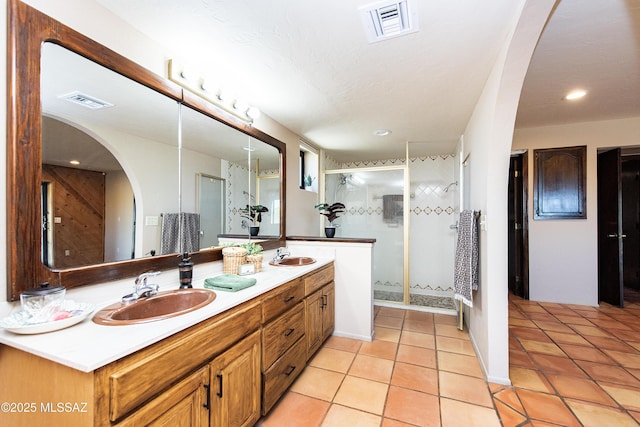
x,y
280,334
317,279
131,381
281,299
280,376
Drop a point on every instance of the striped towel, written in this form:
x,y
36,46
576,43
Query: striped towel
x,y
466,273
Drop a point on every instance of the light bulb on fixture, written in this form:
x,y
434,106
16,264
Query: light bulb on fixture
x,y
240,106
575,94
253,112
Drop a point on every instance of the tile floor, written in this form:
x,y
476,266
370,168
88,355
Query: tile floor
x,y
569,365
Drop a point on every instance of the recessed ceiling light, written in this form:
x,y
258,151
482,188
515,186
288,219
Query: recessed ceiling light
x,y
575,94
74,162
382,132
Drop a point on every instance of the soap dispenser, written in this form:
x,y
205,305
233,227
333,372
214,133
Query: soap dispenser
x,y
186,271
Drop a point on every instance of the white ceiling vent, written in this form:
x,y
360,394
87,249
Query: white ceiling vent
x,y
387,19
85,100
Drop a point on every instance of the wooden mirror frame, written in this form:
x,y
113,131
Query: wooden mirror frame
x,y
28,30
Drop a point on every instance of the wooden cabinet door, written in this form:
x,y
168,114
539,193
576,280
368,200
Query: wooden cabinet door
x,y
183,405
235,385
313,320
329,310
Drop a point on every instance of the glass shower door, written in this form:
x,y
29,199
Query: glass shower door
x,y
374,209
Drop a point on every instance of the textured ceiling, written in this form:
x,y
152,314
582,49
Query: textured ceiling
x,y
308,64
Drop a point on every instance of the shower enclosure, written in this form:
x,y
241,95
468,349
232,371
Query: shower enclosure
x,y
410,208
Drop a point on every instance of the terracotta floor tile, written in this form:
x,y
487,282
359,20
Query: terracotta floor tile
x,y
525,323
417,356
606,343
392,312
572,338
596,415
629,397
421,316
608,373
378,348
362,394
508,415
529,334
557,365
520,359
426,327
340,416
413,407
547,407
332,359
319,383
580,388
627,360
445,319
534,307
635,345
461,414
495,388
554,326
541,347
464,388
459,364
542,316
529,379
509,397
611,324
454,345
574,320
625,335
387,334
296,410
415,378
591,354
342,343
635,415
590,331
388,321
451,331
388,422
417,339
372,368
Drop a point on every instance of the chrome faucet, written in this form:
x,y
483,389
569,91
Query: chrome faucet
x,y
141,289
281,253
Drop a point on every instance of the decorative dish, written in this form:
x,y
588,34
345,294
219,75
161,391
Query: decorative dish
x,y
71,313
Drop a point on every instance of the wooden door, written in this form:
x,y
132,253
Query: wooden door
x,y
235,385
631,221
328,310
610,235
313,321
518,266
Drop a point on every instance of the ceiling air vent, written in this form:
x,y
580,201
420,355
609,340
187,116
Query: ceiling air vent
x,y
85,100
389,19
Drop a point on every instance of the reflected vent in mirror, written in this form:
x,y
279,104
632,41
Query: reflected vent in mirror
x,y
85,100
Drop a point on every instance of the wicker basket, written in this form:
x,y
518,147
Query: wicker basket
x,y
256,260
232,257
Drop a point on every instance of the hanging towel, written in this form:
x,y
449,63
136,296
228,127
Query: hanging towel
x,y
180,226
466,272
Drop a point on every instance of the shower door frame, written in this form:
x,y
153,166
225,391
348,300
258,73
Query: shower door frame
x,y
406,204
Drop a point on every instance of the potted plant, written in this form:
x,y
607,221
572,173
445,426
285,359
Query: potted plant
x,y
308,182
253,214
331,212
254,254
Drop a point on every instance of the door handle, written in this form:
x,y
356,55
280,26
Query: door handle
x,y
616,235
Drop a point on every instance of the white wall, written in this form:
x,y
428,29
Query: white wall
x,y
563,254
487,141
118,224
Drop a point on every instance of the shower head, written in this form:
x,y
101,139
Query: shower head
x,y
446,189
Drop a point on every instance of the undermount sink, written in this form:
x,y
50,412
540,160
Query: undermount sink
x,y
163,305
293,261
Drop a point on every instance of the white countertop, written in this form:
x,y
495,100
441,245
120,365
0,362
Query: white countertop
x,y
87,346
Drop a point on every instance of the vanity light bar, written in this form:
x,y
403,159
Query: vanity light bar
x,y
198,86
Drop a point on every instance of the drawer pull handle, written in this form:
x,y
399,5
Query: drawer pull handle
x,y
289,299
219,394
290,370
289,332
207,387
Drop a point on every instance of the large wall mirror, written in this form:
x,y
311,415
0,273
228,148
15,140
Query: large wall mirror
x,y
113,170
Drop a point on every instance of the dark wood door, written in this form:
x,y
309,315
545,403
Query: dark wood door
x,y
610,254
631,221
518,265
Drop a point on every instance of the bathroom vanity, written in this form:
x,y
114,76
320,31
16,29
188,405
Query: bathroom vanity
x,y
228,365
